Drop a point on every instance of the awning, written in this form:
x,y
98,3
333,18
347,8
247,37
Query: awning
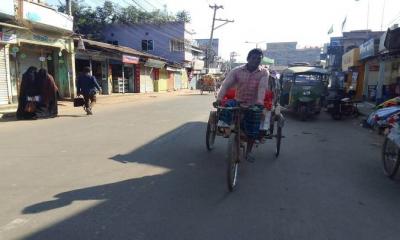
x,y
267,61
12,26
154,63
172,69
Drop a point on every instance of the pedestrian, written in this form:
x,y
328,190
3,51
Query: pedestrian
x,y
29,94
48,107
86,86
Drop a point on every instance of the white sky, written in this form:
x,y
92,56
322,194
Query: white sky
x,y
304,21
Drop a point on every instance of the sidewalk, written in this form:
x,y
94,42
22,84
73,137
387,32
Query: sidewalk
x,y
8,111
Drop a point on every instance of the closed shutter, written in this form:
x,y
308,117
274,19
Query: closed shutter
x,y
3,76
178,80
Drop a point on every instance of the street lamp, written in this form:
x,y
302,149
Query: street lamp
x,y
255,42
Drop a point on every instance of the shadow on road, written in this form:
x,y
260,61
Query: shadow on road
x,y
165,205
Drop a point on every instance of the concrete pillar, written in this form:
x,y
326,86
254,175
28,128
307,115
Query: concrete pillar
x,y
71,69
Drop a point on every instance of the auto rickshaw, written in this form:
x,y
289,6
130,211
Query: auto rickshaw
x,y
303,89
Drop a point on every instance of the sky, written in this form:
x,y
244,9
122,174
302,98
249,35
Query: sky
x,y
261,21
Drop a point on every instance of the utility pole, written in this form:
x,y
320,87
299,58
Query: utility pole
x,y
68,7
232,59
215,7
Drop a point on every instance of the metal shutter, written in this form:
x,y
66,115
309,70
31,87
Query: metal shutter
x,y
3,76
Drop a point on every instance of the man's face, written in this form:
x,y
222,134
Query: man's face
x,y
254,60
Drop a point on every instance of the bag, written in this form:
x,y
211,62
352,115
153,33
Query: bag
x,y
30,107
79,101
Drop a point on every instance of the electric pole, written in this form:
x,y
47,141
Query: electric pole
x,y
68,6
209,56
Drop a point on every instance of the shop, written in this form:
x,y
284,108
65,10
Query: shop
x,y
150,76
354,72
115,70
41,51
7,36
195,74
368,58
388,85
171,70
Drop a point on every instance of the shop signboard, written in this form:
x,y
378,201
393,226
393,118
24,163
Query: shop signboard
x,y
42,39
47,17
8,37
154,63
7,8
198,65
368,49
130,59
350,59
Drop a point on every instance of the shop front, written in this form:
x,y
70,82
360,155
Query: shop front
x,y
41,51
195,74
7,37
368,58
150,76
354,72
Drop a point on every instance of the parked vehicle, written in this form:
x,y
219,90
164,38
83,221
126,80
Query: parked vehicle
x,y
379,118
391,148
303,89
340,106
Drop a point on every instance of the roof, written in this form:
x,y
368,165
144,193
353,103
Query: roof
x,y
297,70
121,49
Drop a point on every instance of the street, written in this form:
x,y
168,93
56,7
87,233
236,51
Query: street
x,y
140,170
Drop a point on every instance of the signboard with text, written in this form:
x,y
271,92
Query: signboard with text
x,y
130,59
41,15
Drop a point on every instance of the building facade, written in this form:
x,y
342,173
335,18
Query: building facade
x,y
287,53
35,35
172,41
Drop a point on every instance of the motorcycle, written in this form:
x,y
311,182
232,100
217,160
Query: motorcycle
x,y
339,107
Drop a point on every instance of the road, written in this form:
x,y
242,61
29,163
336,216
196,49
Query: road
x,y
141,171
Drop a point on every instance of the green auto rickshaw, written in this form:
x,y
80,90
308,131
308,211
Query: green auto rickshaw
x,y
303,89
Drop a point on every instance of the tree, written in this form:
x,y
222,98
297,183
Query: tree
x,y
183,16
90,22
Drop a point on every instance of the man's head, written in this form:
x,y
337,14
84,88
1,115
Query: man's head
x,y
86,70
254,59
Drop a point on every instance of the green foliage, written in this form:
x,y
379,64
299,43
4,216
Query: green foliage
x,y
183,16
89,21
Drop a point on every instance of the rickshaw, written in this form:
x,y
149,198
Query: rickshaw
x,y
207,83
303,89
238,138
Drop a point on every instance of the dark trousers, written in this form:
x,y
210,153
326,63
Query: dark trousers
x,y
90,99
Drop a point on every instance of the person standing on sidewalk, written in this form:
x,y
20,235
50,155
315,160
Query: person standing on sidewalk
x,y
86,86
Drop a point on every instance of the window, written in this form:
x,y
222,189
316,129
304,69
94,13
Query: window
x,y
147,45
177,46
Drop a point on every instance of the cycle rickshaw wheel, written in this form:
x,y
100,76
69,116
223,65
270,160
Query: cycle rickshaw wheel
x,y
278,141
211,130
233,161
390,158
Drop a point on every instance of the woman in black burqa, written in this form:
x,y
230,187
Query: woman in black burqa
x,y
29,89
47,106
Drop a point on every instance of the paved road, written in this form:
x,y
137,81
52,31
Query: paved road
x,y
141,171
